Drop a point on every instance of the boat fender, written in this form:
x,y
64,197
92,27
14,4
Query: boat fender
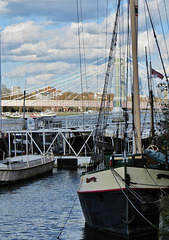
x,y
127,179
110,162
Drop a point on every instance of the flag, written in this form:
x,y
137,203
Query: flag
x,y
157,74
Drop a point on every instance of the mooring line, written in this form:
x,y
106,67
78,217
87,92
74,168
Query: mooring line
x,y
155,182
113,172
58,237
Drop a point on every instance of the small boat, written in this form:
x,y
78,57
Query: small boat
x,y
48,113
15,115
25,166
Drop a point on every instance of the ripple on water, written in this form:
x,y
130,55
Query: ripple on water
x,y
37,210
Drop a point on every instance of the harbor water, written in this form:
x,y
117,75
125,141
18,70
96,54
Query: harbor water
x,y
46,208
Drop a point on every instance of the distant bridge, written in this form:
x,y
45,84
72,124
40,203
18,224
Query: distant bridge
x,y
52,103
66,103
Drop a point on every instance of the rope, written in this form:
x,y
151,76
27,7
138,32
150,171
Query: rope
x,y
165,7
97,47
162,29
133,204
80,55
148,39
106,33
155,182
133,192
84,55
105,103
136,195
144,120
58,237
155,37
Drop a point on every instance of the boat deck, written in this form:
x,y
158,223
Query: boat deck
x,y
20,162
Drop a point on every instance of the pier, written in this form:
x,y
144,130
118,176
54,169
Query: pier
x,y
70,138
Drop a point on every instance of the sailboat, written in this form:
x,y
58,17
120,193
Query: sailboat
x,y
122,197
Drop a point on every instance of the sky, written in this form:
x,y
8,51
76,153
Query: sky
x,y
40,42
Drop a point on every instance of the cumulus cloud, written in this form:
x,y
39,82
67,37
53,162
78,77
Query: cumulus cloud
x,y
41,37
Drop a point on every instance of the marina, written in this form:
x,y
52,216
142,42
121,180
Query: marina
x,y
67,136
39,209
84,120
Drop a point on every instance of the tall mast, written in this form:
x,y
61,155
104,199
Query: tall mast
x,y
136,102
149,74
0,89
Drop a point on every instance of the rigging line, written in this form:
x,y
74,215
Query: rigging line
x,y
65,81
106,32
155,36
144,120
100,123
130,58
79,49
162,29
67,217
72,86
6,61
60,78
157,111
127,72
110,61
133,204
54,80
122,61
78,89
122,27
70,94
146,184
155,182
120,53
97,45
148,39
28,90
84,55
165,7
73,93
133,192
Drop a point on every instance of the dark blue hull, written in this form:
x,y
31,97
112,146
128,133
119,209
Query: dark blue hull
x,y
111,212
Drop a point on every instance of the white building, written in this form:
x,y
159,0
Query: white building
x,y
16,90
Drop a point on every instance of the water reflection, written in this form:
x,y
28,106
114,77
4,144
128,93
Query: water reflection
x,y
89,234
38,209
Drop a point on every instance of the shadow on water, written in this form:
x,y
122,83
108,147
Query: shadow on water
x,y
22,183
39,209
89,234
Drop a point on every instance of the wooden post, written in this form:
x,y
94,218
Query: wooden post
x,y
9,142
27,149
